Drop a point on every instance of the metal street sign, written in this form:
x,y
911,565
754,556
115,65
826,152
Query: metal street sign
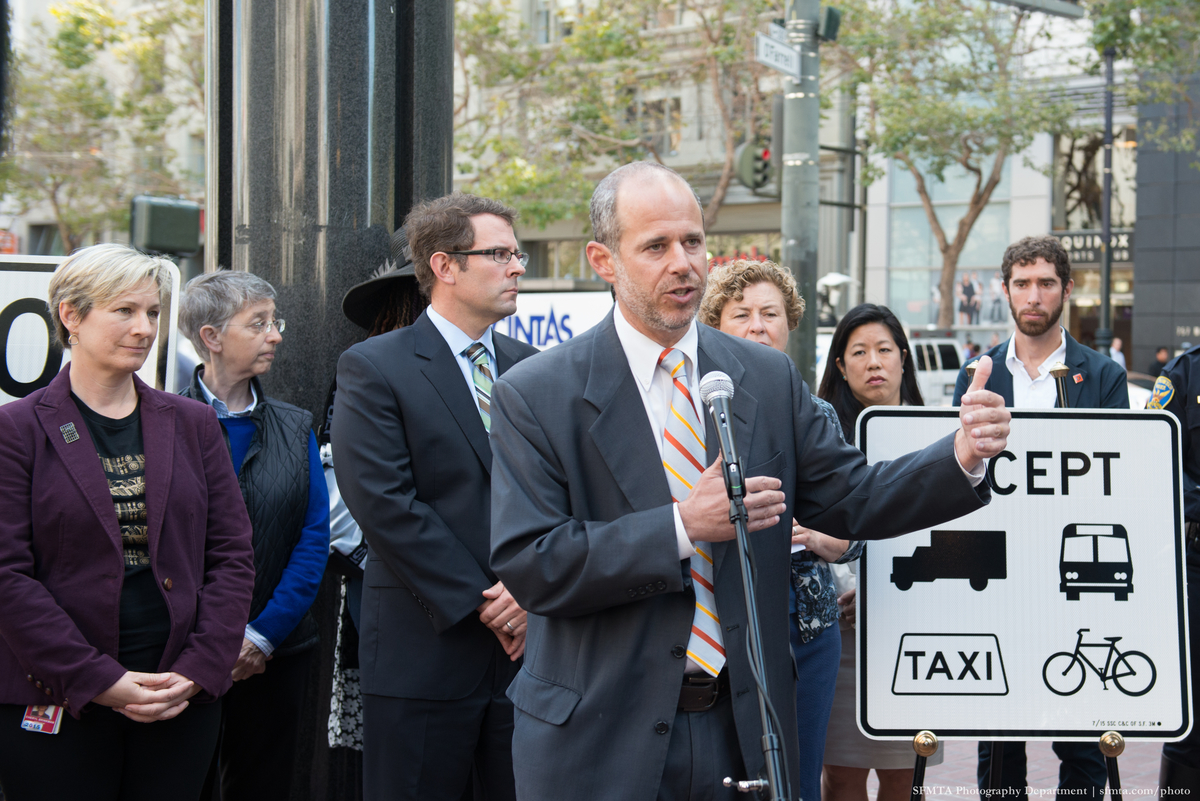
x,y
31,356
1057,612
776,55
1056,8
778,32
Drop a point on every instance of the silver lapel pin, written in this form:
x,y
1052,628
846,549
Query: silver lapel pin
x,y
69,433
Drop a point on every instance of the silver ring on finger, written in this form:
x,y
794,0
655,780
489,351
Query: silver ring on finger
x,y
509,626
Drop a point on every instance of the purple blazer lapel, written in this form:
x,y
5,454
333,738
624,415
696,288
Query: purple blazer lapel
x,y
69,437
158,441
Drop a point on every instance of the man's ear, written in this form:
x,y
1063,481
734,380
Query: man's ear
x,y
1067,289
601,259
211,338
443,267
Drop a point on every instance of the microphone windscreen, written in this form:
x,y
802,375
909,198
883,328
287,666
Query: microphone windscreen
x,y
715,385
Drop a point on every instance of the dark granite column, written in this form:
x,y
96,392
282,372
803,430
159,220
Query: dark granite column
x,y
312,89
1166,277
310,107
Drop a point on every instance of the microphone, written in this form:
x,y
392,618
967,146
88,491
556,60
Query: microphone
x,y
716,390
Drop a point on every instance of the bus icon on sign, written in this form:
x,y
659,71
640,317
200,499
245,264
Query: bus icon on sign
x,y
1095,558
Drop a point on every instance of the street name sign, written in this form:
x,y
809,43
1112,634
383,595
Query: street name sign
x,y
32,357
777,55
1057,612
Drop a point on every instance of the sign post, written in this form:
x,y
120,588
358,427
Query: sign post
x,y
1057,612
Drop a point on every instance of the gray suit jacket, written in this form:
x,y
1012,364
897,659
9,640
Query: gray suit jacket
x,y
584,537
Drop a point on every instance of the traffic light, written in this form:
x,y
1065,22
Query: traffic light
x,y
753,165
164,225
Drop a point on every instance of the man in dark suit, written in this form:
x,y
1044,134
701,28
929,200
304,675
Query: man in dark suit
x,y
441,636
1037,282
609,528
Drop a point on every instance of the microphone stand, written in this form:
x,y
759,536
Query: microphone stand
x,y
771,746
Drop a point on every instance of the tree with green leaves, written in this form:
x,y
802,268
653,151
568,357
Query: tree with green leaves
x,y
1161,41
549,105
941,87
93,98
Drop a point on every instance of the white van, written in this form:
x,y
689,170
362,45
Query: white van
x,y
938,362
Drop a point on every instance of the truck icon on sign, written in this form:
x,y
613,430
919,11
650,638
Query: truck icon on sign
x,y
1095,558
978,556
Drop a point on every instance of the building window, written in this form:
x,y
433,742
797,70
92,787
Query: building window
x,y
45,241
661,123
543,21
1079,179
915,260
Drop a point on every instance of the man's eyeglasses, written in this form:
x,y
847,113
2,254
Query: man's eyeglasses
x,y
264,327
499,255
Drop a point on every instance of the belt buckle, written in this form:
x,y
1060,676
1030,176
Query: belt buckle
x,y
702,693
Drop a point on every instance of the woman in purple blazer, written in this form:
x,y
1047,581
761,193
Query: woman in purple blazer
x,y
125,559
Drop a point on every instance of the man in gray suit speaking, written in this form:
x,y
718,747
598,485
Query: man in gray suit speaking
x,y
610,523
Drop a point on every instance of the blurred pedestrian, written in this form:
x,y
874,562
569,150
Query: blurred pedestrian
x,y
1162,355
1115,353
125,559
230,318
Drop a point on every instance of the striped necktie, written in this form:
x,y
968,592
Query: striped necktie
x,y
683,459
481,376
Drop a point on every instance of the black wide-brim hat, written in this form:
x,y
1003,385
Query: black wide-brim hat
x,y
362,303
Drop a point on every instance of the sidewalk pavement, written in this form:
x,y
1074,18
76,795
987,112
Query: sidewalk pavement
x,y
955,777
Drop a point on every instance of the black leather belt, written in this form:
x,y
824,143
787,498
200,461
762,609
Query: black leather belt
x,y
701,691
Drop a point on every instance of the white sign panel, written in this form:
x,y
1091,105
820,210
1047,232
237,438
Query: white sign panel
x,y
546,319
32,357
776,55
1057,612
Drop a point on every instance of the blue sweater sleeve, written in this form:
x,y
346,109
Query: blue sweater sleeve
x,y
297,588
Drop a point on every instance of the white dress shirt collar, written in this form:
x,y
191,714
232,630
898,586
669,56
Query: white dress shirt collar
x,y
219,405
455,337
1015,364
1040,392
643,352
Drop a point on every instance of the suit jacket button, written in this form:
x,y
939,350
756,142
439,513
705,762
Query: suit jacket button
x,y
661,727
29,678
49,691
678,651
633,593
38,684
168,584
662,585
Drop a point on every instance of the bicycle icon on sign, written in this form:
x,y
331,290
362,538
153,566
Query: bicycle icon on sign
x,y
1131,671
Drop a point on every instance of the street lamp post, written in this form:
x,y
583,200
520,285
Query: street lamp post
x,y
1104,334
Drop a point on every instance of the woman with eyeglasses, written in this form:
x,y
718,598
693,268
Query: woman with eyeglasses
x,y
230,318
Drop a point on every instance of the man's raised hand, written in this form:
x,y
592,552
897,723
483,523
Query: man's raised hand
x,y
984,420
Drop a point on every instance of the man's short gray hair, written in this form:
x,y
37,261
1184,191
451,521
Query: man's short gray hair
x,y
215,298
606,229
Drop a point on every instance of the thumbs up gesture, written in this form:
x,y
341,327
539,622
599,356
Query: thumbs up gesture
x,y
985,421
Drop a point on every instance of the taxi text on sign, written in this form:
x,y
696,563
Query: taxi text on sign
x,y
32,357
1056,612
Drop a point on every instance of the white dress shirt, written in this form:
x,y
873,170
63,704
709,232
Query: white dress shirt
x,y
459,342
655,386
1034,393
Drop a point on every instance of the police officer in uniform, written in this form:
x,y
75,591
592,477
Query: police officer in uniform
x,y
1178,391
